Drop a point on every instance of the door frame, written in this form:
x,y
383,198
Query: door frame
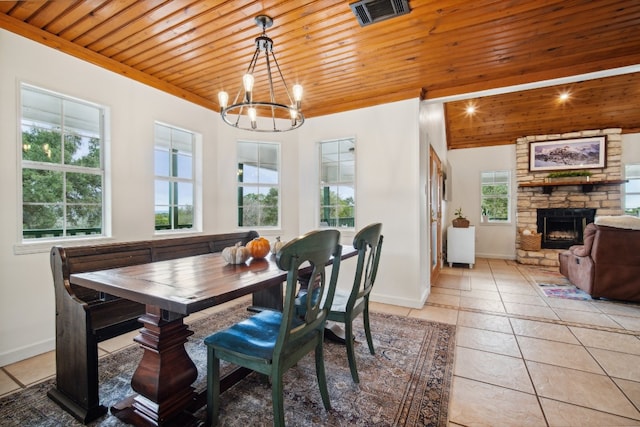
x,y
436,181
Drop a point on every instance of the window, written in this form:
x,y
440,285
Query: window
x,y
632,190
495,200
174,178
62,165
258,184
337,183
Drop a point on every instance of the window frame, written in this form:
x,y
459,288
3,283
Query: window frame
x,y
322,185
508,196
258,184
37,244
626,193
196,223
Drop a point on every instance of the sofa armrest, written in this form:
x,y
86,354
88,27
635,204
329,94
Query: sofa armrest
x,y
587,237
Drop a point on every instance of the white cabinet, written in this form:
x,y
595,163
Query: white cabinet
x,y
461,245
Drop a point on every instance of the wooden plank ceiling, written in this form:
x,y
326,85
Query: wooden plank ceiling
x,y
194,48
610,102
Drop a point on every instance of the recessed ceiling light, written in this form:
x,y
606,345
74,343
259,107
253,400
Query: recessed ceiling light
x,y
471,109
563,96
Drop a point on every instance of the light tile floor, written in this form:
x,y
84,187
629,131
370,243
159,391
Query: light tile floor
x,y
522,359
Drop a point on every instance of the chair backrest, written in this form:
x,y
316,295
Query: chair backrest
x,y
317,248
368,242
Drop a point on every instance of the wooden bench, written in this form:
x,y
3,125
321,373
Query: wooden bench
x,y
85,317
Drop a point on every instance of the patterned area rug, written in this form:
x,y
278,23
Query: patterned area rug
x,y
555,285
406,383
564,291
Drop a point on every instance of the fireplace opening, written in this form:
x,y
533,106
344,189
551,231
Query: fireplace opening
x,y
564,227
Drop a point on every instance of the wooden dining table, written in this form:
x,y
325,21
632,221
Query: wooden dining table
x,y
171,290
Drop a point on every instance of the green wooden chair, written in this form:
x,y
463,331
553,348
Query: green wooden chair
x,y
271,342
348,305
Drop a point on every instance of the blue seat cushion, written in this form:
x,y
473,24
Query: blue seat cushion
x,y
254,337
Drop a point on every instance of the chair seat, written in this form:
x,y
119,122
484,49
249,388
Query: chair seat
x,y
255,336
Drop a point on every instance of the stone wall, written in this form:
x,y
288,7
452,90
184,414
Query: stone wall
x,y
606,199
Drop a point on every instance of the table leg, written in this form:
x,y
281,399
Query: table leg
x,y
165,374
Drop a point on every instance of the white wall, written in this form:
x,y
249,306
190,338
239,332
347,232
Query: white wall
x,y
631,148
492,240
388,188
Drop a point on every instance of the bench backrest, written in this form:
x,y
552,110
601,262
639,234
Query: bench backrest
x,y
80,259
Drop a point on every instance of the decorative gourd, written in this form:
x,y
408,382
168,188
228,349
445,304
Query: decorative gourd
x,y
275,246
237,254
258,247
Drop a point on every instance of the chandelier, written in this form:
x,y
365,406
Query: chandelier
x,y
247,106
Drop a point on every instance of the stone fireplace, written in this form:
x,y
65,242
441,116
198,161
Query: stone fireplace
x,y
566,203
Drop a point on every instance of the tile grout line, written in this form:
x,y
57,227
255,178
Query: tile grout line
x,y
538,319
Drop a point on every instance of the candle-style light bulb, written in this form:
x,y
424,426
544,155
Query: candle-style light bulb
x,y
297,95
247,81
252,117
223,99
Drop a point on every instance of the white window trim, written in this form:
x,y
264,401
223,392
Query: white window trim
x,y
197,184
510,185
624,194
25,247
278,226
347,230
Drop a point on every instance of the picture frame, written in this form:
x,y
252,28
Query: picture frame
x,y
565,154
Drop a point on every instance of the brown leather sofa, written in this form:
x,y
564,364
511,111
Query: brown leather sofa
x,y
607,265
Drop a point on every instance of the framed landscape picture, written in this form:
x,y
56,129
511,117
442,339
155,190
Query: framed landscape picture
x,y
578,153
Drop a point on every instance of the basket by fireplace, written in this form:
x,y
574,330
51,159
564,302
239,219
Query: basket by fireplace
x,y
530,242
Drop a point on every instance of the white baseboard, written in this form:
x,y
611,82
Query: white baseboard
x,y
496,256
22,353
396,300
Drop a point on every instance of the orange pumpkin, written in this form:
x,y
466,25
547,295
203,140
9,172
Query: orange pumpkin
x,y
258,247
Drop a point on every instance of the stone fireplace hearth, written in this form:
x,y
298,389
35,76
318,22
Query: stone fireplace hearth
x,y
602,199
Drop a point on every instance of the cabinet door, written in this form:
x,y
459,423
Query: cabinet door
x,y
461,245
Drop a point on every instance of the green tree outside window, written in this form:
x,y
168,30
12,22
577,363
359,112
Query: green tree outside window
x,y
495,195
174,178
258,184
62,174
337,183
